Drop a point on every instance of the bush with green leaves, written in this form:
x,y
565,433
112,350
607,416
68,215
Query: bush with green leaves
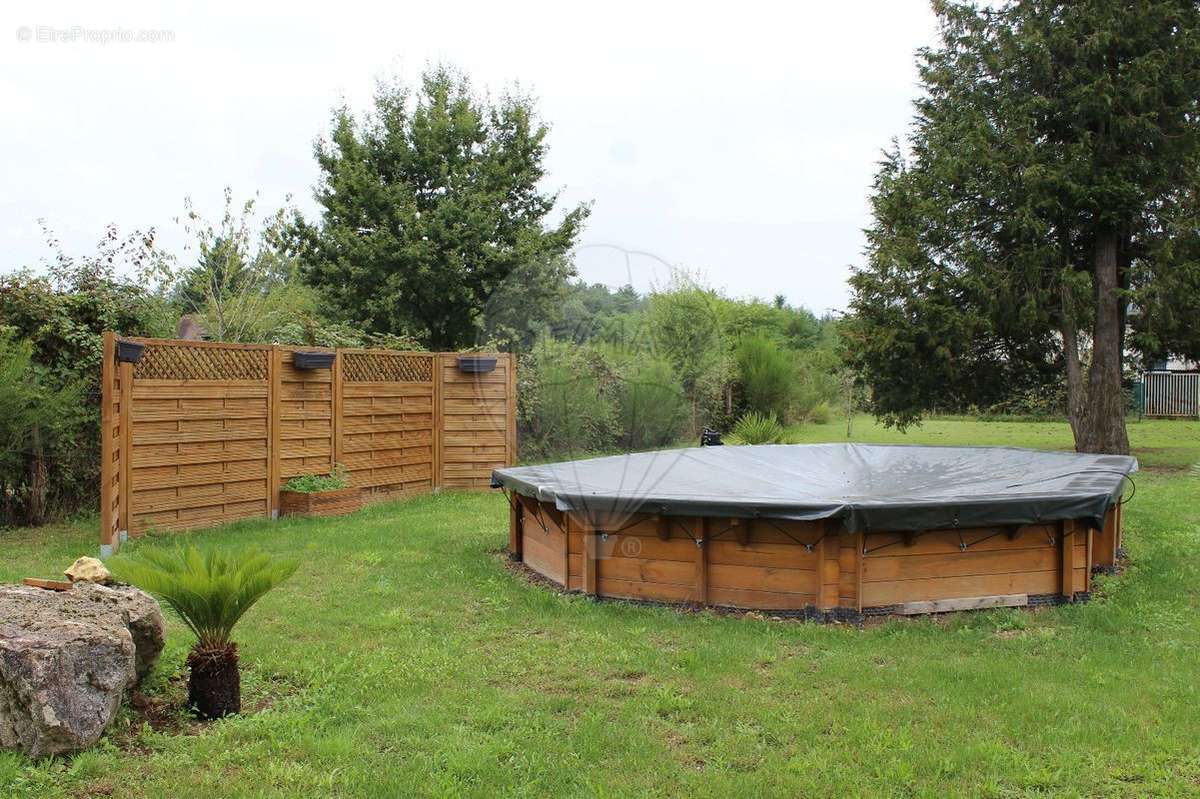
x,y
566,403
61,312
210,590
40,418
766,375
652,408
314,483
757,428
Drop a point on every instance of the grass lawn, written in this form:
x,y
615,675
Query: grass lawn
x,y
403,659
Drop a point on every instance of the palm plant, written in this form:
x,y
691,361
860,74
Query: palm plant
x,y
210,591
758,428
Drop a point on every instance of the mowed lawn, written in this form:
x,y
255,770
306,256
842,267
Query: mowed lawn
x,y
404,659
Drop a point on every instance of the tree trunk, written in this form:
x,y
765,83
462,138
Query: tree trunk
x,y
36,507
1102,427
1076,391
214,682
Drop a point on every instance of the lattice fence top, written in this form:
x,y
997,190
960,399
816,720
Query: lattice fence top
x,y
182,362
382,367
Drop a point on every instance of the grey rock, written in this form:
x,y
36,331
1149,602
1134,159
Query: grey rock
x,y
66,660
143,617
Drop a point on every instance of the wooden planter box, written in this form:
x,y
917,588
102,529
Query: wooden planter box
x,y
320,503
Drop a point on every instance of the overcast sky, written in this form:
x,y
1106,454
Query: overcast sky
x,y
737,139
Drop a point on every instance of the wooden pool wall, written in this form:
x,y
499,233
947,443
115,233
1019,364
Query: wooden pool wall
x,y
756,564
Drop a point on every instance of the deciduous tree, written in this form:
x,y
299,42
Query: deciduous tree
x,y
430,206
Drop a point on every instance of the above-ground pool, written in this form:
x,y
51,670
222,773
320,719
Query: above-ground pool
x,y
823,530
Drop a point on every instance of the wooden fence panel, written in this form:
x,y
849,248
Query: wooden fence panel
x,y
209,468
385,426
200,433
478,425
305,419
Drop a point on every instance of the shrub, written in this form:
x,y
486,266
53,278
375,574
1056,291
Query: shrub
x,y
766,375
210,591
62,315
819,381
821,413
39,418
758,428
651,404
313,483
566,405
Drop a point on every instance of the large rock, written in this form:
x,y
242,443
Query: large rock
x,y
66,660
142,616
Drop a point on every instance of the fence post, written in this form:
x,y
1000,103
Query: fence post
x,y
107,476
438,418
335,409
274,433
510,458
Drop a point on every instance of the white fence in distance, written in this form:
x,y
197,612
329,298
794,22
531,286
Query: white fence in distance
x,y
1171,393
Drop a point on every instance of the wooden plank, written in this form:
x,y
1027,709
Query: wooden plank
x,y
964,603
859,543
197,389
194,414
763,578
166,437
1105,544
191,343
1120,526
588,561
159,499
565,553
830,571
758,600
197,517
516,536
979,539
541,555
386,406
469,438
375,389
702,568
148,477
885,567
643,570
1067,547
625,545
477,422
901,591
756,553
379,458
473,406
241,450
1087,562
469,391
389,424
632,589
511,398
49,585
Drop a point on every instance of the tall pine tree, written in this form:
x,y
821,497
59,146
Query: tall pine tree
x,y
1053,162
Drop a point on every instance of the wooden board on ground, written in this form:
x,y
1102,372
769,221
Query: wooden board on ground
x,y
966,603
